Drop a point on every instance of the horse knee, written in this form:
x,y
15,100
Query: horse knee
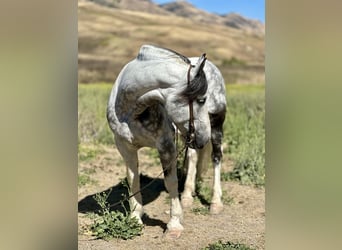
x,y
216,155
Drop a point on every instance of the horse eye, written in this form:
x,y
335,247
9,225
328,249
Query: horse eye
x,y
201,100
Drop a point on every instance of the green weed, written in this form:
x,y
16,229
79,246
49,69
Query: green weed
x,y
87,152
113,224
226,176
83,180
226,199
226,246
201,210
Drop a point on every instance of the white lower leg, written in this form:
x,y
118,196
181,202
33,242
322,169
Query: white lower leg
x,y
135,202
136,208
189,186
176,212
216,203
176,215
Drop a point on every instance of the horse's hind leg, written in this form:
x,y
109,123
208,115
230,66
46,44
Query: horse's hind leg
x,y
216,121
197,163
130,156
167,154
203,161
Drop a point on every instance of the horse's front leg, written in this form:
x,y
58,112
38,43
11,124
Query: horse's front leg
x,y
216,205
168,154
189,185
130,156
216,121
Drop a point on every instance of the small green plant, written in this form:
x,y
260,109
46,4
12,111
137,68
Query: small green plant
x,y
113,224
225,176
88,152
226,199
226,246
83,179
204,192
201,210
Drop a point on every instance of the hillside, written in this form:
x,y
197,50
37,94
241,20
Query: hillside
x,y
111,35
135,5
233,20
186,9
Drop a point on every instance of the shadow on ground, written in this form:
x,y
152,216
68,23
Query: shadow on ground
x,y
117,194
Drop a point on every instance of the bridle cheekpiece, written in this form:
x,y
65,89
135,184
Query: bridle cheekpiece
x,y
190,137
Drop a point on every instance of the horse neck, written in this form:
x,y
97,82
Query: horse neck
x,y
142,77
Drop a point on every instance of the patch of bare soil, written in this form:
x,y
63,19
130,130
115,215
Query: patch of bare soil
x,y
242,220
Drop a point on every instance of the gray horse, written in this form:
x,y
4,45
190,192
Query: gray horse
x,y
151,94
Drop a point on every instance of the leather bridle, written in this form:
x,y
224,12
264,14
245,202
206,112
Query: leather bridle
x,y
190,136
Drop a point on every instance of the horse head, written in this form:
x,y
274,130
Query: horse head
x,y
182,91
187,106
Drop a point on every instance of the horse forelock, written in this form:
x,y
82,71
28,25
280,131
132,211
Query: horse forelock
x,y
197,87
152,52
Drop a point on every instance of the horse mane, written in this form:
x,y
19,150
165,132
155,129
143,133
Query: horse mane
x,y
152,52
197,87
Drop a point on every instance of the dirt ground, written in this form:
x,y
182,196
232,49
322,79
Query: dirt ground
x,y
242,220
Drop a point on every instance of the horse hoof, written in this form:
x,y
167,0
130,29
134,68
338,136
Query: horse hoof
x,y
216,208
173,233
187,202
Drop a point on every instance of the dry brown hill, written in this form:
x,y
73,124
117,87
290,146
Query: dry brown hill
x,y
135,5
185,9
111,36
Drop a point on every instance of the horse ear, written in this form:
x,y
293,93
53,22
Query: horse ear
x,y
199,65
148,99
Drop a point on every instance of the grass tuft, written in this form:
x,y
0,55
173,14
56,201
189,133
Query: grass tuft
x,y
227,246
200,210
